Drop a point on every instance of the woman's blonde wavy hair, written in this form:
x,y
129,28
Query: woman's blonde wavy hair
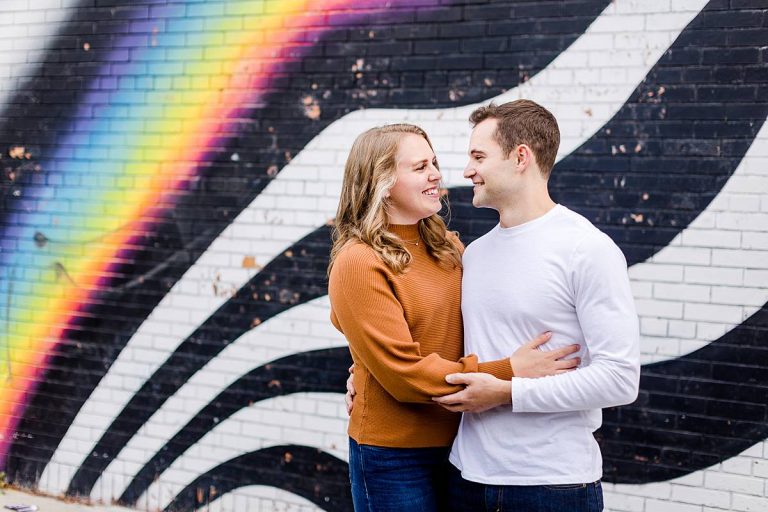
x,y
369,174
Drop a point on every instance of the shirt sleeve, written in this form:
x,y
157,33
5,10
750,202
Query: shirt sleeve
x,y
606,313
367,311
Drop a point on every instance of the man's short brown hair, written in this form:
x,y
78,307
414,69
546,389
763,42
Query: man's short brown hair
x,y
523,122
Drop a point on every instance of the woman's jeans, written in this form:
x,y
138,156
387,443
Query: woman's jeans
x,y
398,479
466,496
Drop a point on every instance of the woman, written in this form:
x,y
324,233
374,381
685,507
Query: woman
x,y
394,286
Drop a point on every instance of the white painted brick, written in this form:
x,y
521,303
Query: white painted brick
x,y
754,240
681,6
15,5
706,220
630,40
13,31
611,77
321,424
681,329
712,238
39,5
757,450
735,483
742,259
714,313
710,275
652,505
688,346
641,289
738,465
699,496
576,60
747,184
682,292
656,272
615,502
760,468
653,327
661,21
710,331
620,24
28,45
720,203
744,202
599,43
739,220
658,308
658,490
750,503
659,346
756,278
684,255
327,204
739,296
695,479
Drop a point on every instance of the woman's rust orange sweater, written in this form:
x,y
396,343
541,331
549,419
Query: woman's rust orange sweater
x,y
405,335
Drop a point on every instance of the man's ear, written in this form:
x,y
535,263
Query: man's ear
x,y
523,155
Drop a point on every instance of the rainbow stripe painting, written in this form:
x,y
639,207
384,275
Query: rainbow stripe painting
x,y
133,145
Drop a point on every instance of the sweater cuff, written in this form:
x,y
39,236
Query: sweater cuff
x,y
501,368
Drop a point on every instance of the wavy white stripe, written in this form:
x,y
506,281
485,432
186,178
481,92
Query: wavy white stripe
x,y
714,274
620,46
260,498
734,484
299,329
316,420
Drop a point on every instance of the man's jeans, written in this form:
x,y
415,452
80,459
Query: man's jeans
x,y
465,496
397,479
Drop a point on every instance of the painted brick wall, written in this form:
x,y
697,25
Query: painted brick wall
x,y
170,170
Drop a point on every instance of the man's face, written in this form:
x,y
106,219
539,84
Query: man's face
x,y
490,171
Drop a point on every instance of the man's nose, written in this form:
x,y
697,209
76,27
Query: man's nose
x,y
469,171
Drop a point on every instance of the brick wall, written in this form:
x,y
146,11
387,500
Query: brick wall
x,y
170,169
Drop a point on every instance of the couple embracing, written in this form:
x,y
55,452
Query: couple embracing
x,y
411,302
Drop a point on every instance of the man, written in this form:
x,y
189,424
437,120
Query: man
x,y
543,267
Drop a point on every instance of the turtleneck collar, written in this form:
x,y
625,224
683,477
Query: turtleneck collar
x,y
407,232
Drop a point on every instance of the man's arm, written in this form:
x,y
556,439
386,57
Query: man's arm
x,y
608,320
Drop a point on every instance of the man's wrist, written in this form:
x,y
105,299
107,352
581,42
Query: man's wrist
x,y
505,392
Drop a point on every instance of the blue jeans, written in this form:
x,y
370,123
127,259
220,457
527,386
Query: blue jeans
x,y
466,496
397,479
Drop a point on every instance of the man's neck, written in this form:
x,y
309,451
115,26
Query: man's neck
x,y
525,209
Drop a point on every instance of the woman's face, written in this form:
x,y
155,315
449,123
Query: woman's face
x,y
415,195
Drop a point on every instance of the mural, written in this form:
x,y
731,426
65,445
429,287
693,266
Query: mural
x,y
169,185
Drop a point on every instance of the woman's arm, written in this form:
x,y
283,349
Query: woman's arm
x,y
367,311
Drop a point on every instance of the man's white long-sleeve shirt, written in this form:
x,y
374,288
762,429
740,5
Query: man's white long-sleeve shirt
x,y
557,273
